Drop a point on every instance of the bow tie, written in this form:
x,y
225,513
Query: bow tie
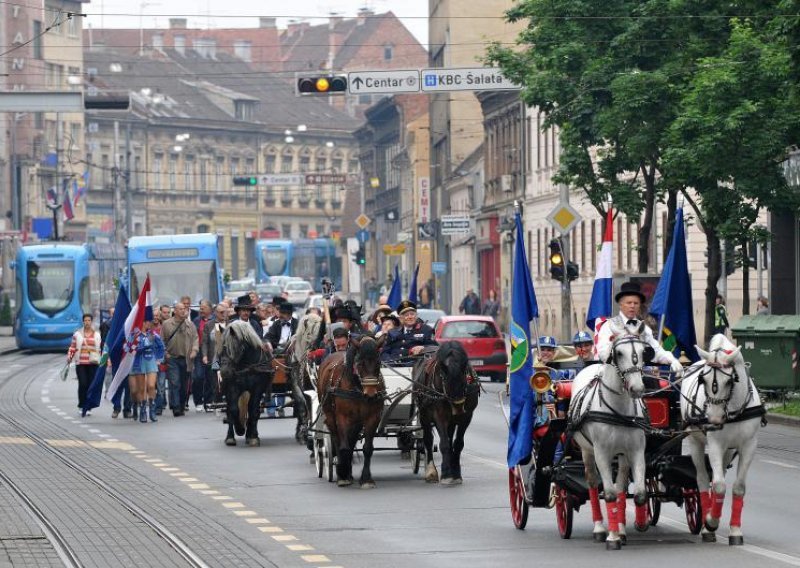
x,y
286,323
633,322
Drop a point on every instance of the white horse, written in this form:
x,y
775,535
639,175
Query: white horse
x,y
718,396
607,416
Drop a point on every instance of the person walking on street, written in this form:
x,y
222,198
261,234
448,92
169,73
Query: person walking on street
x,y
720,316
201,372
471,304
181,345
149,352
762,306
86,345
491,307
210,348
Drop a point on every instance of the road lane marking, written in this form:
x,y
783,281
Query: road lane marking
x,y
152,460
311,558
94,431
16,440
210,492
168,469
270,529
45,399
188,479
284,537
179,474
109,445
259,521
221,498
67,443
233,505
136,452
781,464
299,547
198,486
245,513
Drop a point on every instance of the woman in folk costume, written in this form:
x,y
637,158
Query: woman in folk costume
x,y
149,353
86,345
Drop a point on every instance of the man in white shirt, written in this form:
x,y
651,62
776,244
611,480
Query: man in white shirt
x,y
630,300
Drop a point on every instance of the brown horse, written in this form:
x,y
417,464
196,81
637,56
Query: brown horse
x,y
351,392
446,393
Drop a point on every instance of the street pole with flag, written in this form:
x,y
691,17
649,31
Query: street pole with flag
x,y
600,304
412,290
142,311
672,301
396,293
524,311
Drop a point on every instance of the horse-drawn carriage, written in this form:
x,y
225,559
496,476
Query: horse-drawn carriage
x,y
666,413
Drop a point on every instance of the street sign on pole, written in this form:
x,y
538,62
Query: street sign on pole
x,y
362,236
394,81
455,225
324,179
394,250
471,79
564,218
438,267
281,179
362,221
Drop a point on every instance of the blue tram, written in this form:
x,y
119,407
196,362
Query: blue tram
x,y
56,284
179,265
309,259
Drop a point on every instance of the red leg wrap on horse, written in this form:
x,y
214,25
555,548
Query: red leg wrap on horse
x,y
736,510
705,502
621,502
641,515
594,499
716,507
613,514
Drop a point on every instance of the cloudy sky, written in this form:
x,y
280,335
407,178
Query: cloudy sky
x,y
245,13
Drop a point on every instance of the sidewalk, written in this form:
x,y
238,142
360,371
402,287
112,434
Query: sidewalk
x,y
7,342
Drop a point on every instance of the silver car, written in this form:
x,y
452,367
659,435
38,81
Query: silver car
x,y
297,292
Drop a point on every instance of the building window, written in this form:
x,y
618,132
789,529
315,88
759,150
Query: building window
x,y
320,230
180,44
269,163
157,165
219,168
74,72
286,163
243,50
204,174
305,164
303,231
105,166
158,42
234,166
173,172
286,231
352,166
37,40
72,27
388,52
53,76
188,173
249,166
244,110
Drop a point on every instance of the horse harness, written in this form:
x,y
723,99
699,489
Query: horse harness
x,y
430,394
336,391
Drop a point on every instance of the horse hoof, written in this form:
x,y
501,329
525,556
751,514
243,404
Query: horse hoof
x,y
368,485
613,544
709,537
457,481
623,538
641,528
736,540
230,441
432,479
712,524
600,536
254,442
447,482
344,482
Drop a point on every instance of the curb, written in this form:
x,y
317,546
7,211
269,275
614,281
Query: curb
x,y
783,420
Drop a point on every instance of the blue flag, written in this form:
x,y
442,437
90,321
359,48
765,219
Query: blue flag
x,y
673,297
412,291
396,293
112,349
523,310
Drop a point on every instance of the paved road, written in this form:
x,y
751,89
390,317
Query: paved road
x,y
270,504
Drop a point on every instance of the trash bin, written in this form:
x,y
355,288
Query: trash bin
x,y
771,344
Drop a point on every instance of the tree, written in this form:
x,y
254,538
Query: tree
x,y
738,117
5,311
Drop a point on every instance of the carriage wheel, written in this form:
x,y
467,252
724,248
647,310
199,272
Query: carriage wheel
x,y
516,491
653,502
327,457
416,455
563,512
319,462
694,513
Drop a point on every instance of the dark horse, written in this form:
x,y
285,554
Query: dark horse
x,y
246,374
351,392
446,393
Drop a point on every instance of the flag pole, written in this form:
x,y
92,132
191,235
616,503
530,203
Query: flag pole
x,y
535,320
611,299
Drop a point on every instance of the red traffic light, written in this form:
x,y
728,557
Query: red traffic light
x,y
321,84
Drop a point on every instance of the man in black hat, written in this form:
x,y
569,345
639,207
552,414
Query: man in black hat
x,y
245,311
630,300
411,337
283,328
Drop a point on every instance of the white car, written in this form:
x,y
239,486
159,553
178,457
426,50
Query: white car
x,y
297,292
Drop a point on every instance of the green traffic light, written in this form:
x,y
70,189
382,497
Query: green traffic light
x,y
253,181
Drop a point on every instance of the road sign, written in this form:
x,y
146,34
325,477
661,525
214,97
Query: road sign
x,y
324,179
394,250
564,218
281,179
362,236
455,225
438,267
394,81
471,79
362,221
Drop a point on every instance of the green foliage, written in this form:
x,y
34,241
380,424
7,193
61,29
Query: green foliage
x,y
790,408
5,311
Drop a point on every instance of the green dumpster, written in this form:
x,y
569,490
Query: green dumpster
x,y
771,344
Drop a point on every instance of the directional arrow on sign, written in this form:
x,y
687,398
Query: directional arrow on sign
x,y
383,82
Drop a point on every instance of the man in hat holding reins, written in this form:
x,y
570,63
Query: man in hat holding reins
x,y
630,300
411,337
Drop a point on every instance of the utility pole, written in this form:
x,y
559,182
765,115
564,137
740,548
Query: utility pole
x,y
566,287
61,194
362,198
115,176
127,175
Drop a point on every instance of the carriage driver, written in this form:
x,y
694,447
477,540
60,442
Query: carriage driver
x,y
630,300
411,337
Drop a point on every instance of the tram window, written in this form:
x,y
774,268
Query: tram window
x,y
275,261
50,285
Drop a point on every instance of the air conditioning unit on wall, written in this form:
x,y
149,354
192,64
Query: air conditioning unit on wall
x,y
507,183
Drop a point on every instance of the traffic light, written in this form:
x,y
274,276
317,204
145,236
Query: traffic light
x,y
245,180
730,258
360,256
556,260
321,85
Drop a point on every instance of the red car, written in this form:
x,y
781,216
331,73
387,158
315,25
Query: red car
x,y
481,338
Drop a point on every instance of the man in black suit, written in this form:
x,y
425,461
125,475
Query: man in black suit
x,y
283,328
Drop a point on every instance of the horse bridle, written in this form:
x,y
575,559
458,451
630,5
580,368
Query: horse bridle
x,y
636,368
717,367
366,380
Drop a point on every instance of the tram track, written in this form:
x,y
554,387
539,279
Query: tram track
x,y
55,537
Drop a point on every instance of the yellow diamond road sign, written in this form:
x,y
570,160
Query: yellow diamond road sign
x,y
564,218
362,221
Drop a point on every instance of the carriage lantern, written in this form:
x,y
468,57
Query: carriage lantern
x,y
540,381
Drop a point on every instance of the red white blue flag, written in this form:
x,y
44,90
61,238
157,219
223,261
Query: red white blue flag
x,y
142,311
66,203
600,306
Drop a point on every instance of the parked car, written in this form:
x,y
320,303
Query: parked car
x,y
238,288
297,291
482,340
282,280
267,291
431,317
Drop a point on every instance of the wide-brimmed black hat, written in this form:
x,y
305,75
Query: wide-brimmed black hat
x,y
405,306
344,312
286,308
244,302
630,289
278,300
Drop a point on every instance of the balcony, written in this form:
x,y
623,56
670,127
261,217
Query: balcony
x,y
286,200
